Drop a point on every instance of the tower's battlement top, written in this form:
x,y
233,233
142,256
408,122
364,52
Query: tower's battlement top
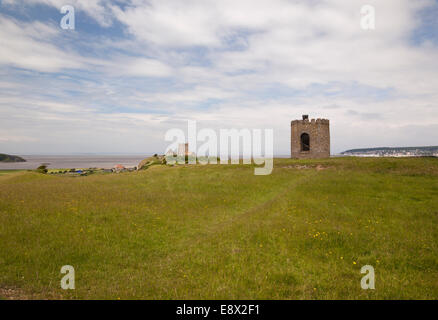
x,y
312,121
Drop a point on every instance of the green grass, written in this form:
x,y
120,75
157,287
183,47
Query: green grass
x,y
4,172
220,232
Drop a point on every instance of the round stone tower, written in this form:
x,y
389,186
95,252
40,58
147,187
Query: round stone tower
x,y
310,139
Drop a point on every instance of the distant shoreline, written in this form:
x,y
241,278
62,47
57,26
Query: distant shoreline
x,y
73,161
62,162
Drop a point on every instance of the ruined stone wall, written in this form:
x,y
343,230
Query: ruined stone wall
x,y
319,134
183,149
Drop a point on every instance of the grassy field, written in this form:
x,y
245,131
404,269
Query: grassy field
x,y
220,232
4,172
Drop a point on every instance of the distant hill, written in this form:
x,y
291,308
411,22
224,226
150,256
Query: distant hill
x,y
10,158
431,151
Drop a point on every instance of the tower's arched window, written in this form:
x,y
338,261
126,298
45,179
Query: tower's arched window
x,y
305,142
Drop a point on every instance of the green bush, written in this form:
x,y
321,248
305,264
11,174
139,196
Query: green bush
x,y
42,169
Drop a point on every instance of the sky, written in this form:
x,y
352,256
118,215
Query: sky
x,y
133,69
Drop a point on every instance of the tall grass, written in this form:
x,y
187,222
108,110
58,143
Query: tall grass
x,y
220,232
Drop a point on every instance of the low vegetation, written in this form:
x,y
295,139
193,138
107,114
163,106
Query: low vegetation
x,y
220,232
151,161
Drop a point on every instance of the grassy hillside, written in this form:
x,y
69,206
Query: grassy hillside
x,y
10,158
218,231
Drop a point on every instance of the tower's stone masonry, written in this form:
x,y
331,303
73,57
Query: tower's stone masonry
x,y
310,139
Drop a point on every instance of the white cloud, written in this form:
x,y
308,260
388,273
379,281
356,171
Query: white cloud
x,y
27,45
143,67
294,43
5,137
96,9
262,63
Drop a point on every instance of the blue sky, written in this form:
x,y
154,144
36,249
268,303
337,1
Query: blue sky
x,y
133,69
